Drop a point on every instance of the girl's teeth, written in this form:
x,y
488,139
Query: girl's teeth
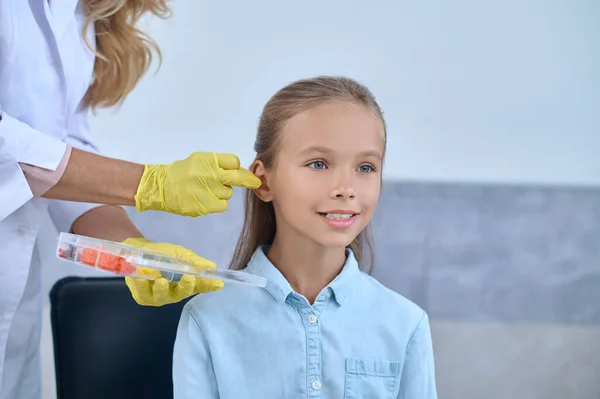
x,y
338,216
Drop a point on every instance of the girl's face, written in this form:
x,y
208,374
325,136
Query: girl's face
x,y
327,177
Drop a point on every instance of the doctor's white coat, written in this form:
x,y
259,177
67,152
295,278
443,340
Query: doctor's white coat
x,y
45,70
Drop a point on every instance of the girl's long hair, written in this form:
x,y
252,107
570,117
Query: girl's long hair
x,y
259,221
123,52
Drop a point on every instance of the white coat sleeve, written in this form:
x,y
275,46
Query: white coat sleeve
x,y
64,213
19,142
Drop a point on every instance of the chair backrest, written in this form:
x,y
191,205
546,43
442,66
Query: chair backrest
x,y
108,346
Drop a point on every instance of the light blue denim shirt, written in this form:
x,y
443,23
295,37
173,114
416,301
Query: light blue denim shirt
x,y
358,340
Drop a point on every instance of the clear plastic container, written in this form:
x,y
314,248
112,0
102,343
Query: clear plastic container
x,y
124,260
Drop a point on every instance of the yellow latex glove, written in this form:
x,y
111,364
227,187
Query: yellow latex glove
x,y
160,292
196,186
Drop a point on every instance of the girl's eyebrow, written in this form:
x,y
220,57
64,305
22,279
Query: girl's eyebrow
x,y
325,150
316,150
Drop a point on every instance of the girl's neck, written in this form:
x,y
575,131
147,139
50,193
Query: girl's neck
x,y
307,266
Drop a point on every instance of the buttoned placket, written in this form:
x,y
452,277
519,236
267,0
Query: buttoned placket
x,y
310,316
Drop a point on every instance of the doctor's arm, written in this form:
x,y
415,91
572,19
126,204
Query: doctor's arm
x,y
195,186
418,372
91,177
193,371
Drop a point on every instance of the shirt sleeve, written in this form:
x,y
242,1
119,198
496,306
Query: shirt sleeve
x,y
193,372
418,373
20,143
42,180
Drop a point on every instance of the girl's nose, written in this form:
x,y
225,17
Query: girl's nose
x,y
344,189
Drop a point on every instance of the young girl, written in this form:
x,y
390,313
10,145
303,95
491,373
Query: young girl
x,y
321,328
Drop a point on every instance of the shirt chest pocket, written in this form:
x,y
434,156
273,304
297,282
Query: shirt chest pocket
x,y
372,378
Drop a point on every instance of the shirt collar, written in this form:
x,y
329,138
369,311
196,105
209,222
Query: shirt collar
x,y
280,288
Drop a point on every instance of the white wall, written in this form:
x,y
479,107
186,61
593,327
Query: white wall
x,y
473,91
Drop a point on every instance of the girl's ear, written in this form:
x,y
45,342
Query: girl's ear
x,y
264,191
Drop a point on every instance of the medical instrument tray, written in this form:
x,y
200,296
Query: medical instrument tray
x,y
124,260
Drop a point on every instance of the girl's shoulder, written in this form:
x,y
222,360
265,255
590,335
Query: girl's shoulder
x,y
395,305
231,299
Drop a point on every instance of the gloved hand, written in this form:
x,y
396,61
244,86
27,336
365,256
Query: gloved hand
x,y
160,292
195,186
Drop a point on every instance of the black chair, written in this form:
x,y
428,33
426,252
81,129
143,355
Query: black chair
x,y
106,345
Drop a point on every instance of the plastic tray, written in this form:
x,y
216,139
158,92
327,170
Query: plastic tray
x,y
124,260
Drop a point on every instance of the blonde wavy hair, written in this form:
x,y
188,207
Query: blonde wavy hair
x,y
123,52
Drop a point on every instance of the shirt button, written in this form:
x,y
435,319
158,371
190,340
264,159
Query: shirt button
x,y
316,384
328,294
312,319
21,231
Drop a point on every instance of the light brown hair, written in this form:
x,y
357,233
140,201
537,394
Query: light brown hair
x,y
123,52
259,221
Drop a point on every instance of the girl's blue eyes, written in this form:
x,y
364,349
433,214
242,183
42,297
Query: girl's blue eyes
x,y
365,168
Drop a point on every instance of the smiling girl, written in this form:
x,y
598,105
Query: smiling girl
x,y
321,328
